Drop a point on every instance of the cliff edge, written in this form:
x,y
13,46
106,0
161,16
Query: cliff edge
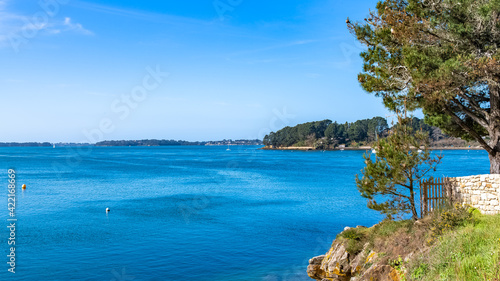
x,y
456,243
375,253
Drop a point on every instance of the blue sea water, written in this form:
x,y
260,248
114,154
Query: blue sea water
x,y
183,213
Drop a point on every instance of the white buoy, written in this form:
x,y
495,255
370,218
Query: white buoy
x,y
107,210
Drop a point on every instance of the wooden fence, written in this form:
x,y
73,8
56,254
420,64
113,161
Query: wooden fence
x,y
434,193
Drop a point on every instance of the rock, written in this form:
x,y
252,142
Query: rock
x,y
372,256
314,268
359,261
380,273
360,226
339,265
346,228
336,263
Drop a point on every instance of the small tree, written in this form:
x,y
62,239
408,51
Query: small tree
x,y
390,181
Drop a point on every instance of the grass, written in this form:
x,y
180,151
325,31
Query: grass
x,y
456,243
468,252
358,237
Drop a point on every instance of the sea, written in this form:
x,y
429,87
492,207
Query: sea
x,y
182,212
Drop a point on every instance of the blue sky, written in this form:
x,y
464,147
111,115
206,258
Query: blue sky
x,y
80,71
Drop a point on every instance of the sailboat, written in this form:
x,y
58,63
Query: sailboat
x,y
228,149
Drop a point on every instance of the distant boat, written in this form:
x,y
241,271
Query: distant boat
x,y
228,149
374,151
54,146
419,151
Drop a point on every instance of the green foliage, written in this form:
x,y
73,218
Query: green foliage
x,y
325,134
353,247
440,56
337,132
305,133
451,218
397,263
389,181
388,227
356,238
352,233
420,271
470,252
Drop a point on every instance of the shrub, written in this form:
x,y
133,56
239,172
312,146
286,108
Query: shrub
x,y
352,233
451,218
420,271
356,239
388,227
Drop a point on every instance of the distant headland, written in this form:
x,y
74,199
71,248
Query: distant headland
x,y
146,142
359,135
154,142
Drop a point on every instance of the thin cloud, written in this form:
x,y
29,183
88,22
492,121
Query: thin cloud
x,y
13,25
70,26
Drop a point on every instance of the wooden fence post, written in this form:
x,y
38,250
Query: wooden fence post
x,y
424,204
421,199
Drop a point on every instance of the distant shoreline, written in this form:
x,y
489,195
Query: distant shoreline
x,y
144,142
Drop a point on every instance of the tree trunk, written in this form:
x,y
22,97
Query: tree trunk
x,y
413,206
495,163
494,129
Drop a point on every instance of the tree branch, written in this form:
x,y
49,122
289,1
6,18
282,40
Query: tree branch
x,y
399,195
473,103
481,121
469,130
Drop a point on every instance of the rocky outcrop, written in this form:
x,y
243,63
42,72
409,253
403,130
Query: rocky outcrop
x,y
339,265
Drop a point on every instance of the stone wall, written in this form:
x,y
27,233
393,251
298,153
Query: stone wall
x,y
481,192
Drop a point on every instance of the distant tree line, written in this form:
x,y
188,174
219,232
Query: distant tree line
x,y
25,144
151,142
154,142
327,134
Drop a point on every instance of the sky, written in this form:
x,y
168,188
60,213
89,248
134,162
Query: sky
x,y
86,71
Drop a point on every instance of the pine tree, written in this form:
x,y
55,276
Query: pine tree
x,y
439,55
390,179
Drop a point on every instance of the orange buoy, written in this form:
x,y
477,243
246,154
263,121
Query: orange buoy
x,y
24,186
